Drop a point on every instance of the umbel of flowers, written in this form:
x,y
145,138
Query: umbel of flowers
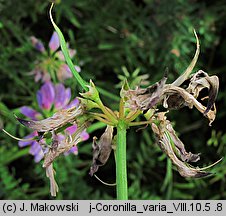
x,y
133,103
51,63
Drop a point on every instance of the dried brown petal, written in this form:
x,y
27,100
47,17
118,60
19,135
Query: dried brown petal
x,y
189,100
166,135
184,169
184,155
101,150
144,99
201,80
58,120
53,185
60,147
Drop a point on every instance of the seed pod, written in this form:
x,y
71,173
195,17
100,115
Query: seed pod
x,y
58,120
101,150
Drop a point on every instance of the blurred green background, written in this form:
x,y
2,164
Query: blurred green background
x,y
114,38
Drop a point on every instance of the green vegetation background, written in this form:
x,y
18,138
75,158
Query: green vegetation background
x,y
148,35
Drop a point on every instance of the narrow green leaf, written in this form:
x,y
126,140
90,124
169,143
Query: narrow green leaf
x,y
105,46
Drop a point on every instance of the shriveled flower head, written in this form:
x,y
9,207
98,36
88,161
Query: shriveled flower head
x,y
52,63
176,96
50,98
66,127
146,98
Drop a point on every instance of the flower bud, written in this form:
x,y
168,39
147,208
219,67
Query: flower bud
x,y
92,94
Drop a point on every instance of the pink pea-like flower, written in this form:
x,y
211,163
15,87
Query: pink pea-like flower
x,y
50,97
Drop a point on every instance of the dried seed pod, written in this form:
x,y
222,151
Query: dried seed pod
x,y
187,99
191,66
101,150
58,120
182,153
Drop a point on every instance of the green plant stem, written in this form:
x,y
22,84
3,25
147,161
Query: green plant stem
x,y
104,120
133,116
121,170
140,123
66,53
109,113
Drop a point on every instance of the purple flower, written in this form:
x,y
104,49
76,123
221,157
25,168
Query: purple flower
x,y
26,143
62,96
37,44
50,98
52,62
30,113
54,42
46,96
84,135
71,129
35,149
73,150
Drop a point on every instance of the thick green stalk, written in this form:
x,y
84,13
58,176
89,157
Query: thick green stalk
x,y
121,170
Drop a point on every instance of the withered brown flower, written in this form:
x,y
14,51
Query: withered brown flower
x,y
101,150
58,120
175,97
174,148
146,98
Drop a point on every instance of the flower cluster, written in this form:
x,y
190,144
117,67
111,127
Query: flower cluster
x,y
51,98
52,62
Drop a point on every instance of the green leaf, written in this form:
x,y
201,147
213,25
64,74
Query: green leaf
x,y
105,46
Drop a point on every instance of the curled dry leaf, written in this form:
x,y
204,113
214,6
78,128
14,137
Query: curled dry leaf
x,y
58,120
101,150
174,148
144,99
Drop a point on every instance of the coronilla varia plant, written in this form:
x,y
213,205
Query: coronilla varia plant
x,y
136,102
